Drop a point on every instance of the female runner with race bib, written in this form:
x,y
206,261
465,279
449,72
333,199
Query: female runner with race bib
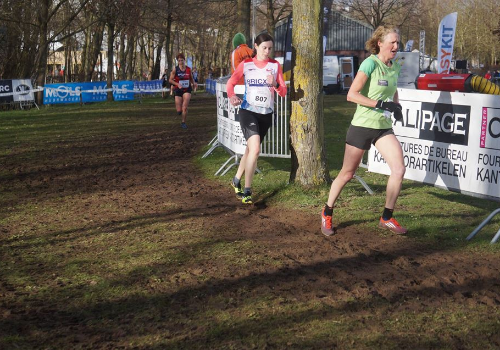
x,y
263,77
182,82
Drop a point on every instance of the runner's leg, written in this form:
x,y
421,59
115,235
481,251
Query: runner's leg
x,y
390,148
253,148
178,104
352,158
241,166
185,103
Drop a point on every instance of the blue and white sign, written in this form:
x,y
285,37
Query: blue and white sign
x,y
61,93
94,92
146,87
123,90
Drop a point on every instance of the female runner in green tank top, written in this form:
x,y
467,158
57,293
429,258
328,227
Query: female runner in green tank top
x,y
374,90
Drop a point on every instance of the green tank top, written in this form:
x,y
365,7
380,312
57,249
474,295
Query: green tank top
x,y
382,84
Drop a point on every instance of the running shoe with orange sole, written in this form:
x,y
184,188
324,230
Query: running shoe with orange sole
x,y
392,225
326,224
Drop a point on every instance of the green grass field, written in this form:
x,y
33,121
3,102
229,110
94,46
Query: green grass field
x,y
83,266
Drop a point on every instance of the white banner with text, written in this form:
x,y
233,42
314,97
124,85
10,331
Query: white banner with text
x,y
449,140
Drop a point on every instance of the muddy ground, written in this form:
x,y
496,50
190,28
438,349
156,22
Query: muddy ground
x,y
141,172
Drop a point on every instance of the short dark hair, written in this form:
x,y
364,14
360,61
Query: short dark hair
x,y
181,55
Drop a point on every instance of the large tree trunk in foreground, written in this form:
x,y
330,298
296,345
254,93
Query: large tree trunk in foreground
x,y
306,122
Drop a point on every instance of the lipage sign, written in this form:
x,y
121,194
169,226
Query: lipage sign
x,y
449,139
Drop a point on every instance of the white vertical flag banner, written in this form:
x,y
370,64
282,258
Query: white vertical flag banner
x,y
446,39
422,49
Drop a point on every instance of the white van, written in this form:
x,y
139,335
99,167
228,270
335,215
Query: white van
x,y
331,73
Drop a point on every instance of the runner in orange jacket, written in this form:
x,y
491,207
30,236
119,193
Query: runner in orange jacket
x,y
240,53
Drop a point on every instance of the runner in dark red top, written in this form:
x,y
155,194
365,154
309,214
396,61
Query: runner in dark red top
x,y
182,82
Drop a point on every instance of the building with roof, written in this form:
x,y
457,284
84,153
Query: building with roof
x,y
343,37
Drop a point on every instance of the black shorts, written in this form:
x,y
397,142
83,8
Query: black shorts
x,y
180,92
253,123
363,138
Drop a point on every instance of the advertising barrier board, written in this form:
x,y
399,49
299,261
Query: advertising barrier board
x,y
89,91
16,90
229,132
450,140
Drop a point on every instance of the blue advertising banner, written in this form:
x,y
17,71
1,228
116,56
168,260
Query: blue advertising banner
x,y
123,90
61,93
97,92
94,92
148,85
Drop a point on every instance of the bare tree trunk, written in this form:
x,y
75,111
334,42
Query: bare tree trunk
x,y
67,60
130,57
168,44
141,56
306,122
270,23
93,48
41,59
150,47
157,68
243,17
122,60
111,59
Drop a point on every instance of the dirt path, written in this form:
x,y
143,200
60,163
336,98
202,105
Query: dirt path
x,y
152,176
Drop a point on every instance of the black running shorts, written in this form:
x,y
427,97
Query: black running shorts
x,y
253,123
363,138
180,92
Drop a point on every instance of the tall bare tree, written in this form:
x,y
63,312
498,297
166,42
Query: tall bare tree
x,y
377,12
274,11
306,121
243,17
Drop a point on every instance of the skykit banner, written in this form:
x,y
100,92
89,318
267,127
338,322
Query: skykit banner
x,y
446,40
449,140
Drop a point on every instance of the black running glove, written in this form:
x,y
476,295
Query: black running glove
x,y
392,107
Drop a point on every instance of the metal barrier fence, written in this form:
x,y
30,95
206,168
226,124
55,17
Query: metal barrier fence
x,y
277,141
230,137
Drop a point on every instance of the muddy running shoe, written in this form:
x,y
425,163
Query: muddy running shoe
x,y
246,199
393,226
184,125
326,224
237,190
